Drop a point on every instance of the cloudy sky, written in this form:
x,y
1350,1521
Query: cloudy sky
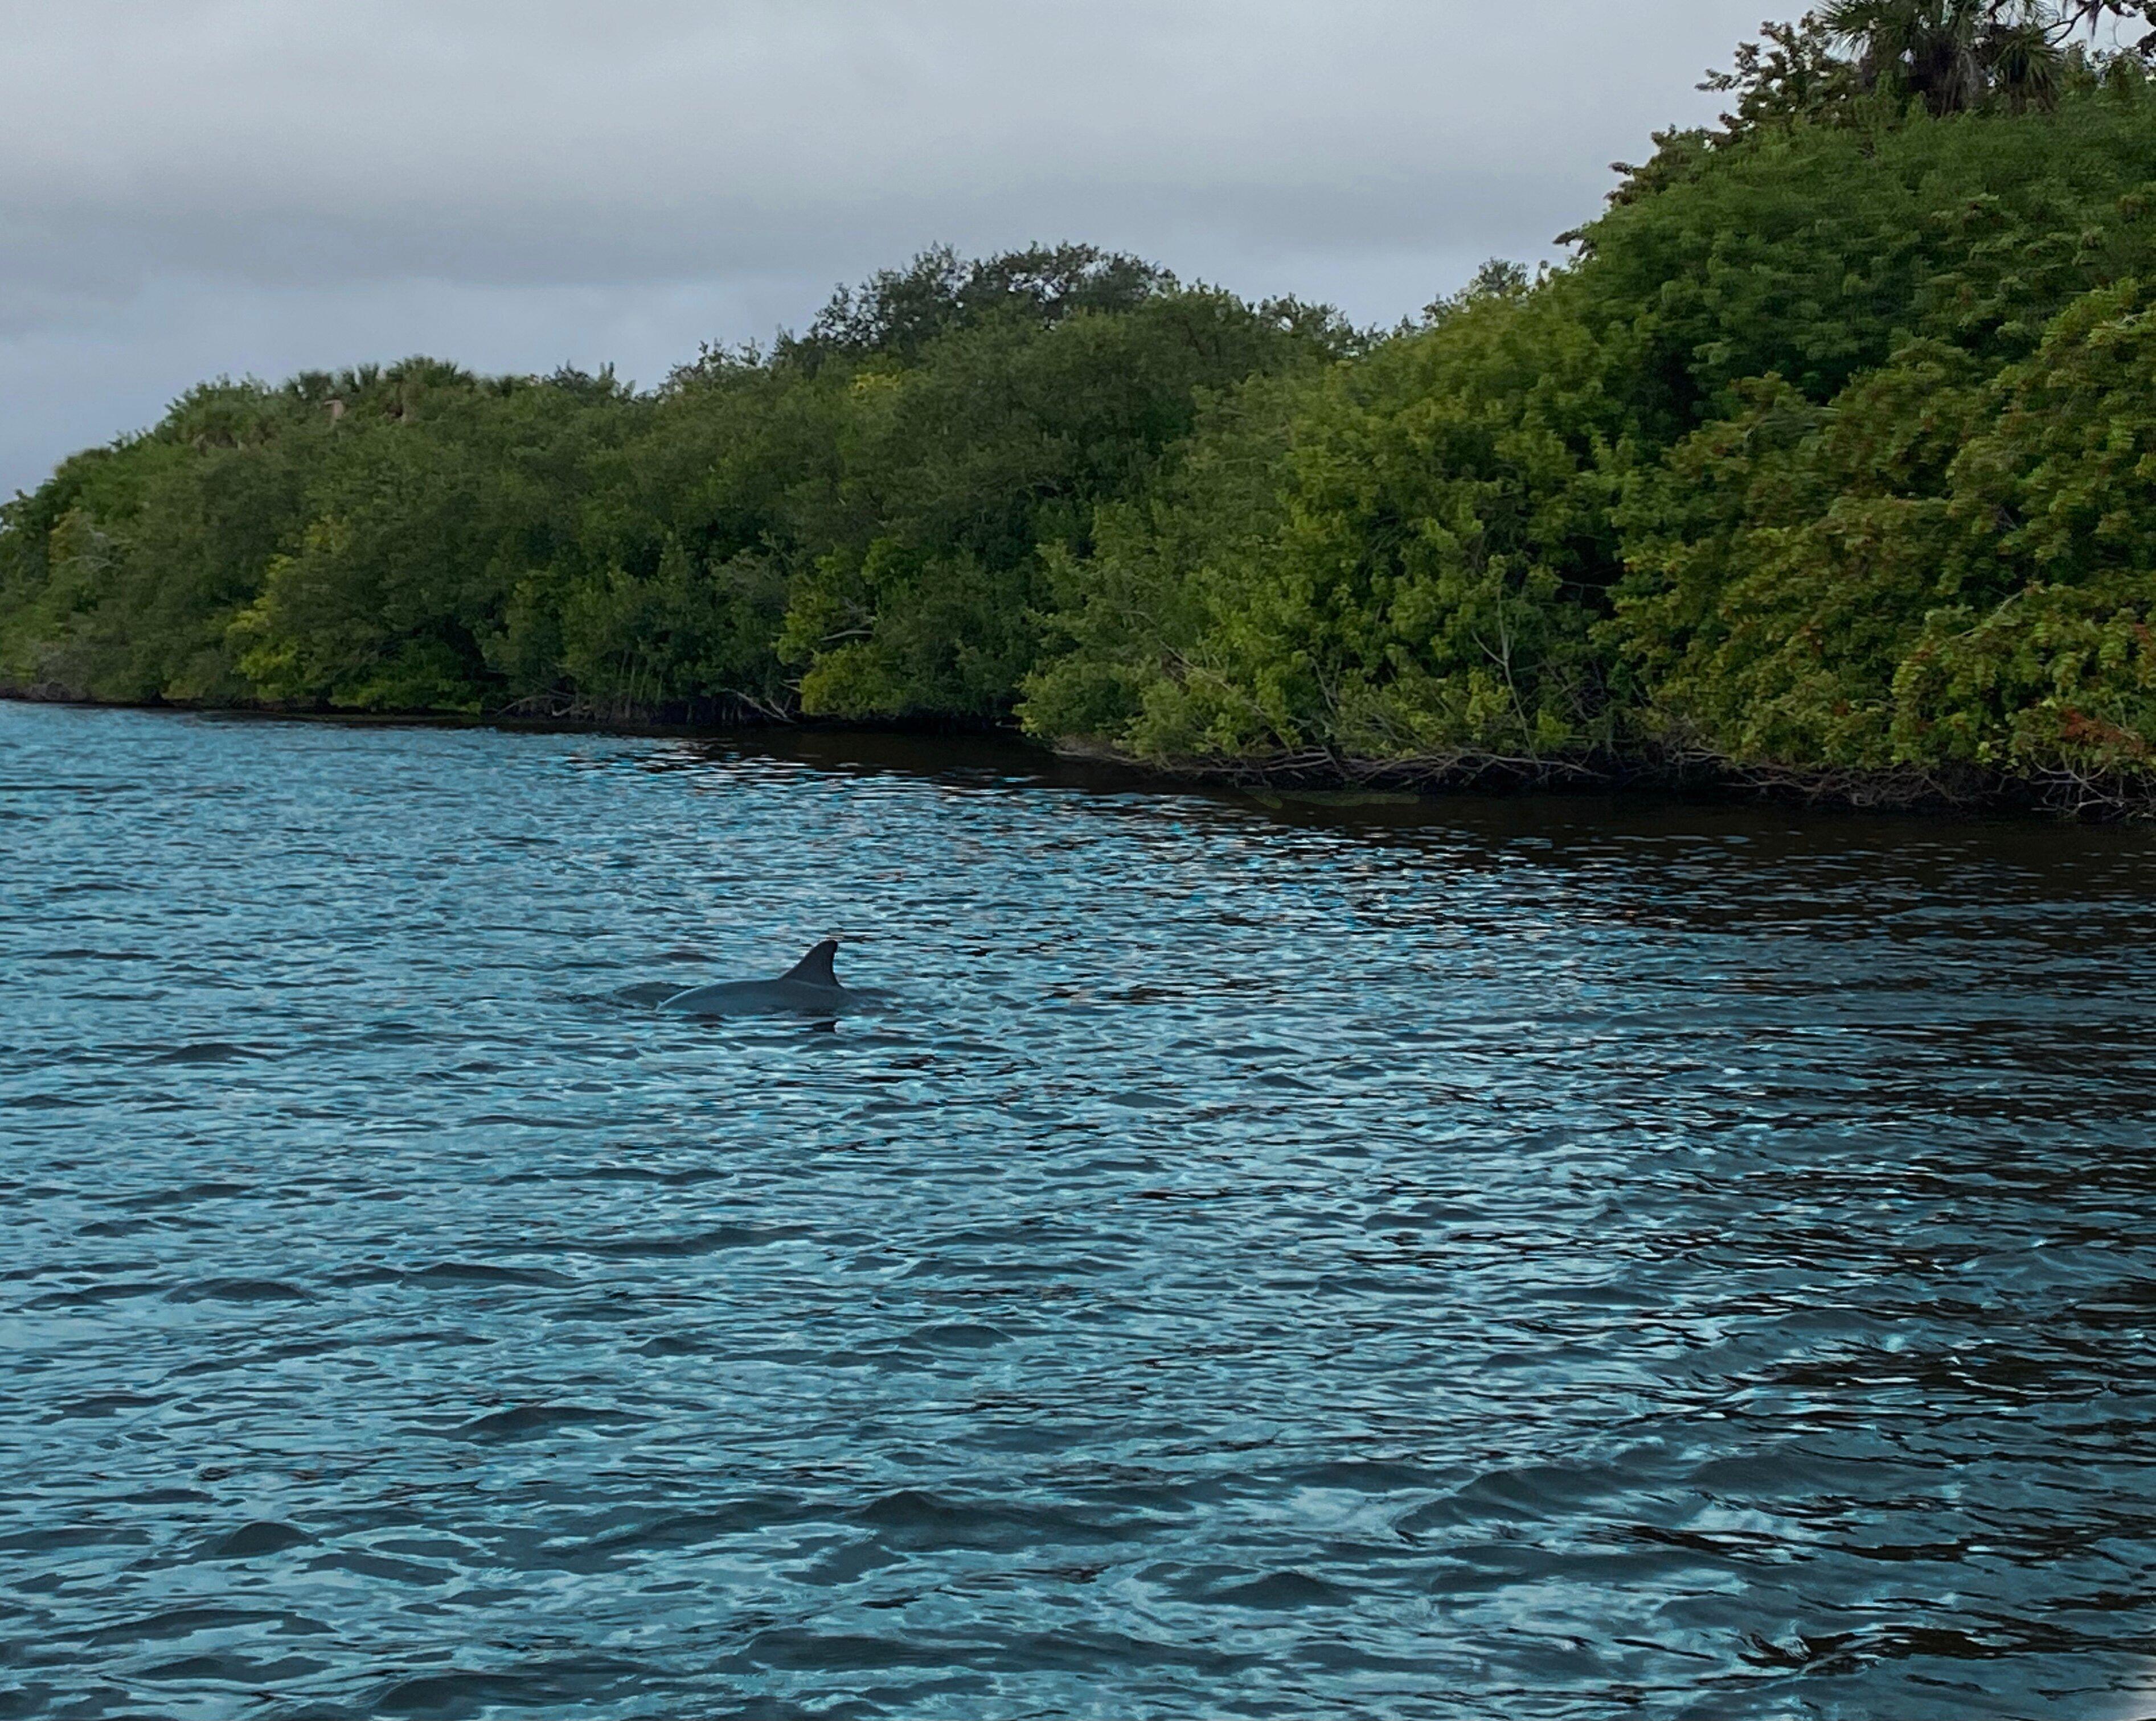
x,y
191,187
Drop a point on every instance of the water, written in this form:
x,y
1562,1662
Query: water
x,y
1540,1259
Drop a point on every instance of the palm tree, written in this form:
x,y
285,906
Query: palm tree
x,y
2024,58
1956,54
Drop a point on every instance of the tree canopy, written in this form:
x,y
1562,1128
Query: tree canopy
x,y
1830,453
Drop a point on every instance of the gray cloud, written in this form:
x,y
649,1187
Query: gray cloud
x,y
210,186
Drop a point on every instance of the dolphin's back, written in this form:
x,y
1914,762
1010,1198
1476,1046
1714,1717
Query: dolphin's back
x,y
808,988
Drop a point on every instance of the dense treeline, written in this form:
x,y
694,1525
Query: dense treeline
x,y
1833,452
855,522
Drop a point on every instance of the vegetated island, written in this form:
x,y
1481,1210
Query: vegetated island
x,y
1829,463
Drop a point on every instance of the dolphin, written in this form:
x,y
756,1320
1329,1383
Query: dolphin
x,y
807,988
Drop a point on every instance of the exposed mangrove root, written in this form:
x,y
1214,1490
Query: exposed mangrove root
x,y
2056,793
726,710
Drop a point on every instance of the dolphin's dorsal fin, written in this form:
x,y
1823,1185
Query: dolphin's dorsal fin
x,y
815,968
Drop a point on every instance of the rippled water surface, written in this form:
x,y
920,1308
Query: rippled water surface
x,y
1554,1258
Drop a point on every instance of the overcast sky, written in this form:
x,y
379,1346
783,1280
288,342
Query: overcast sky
x,y
191,187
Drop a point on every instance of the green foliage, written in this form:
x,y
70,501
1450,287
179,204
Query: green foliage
x,y
853,525
2046,660
1858,61
443,496
1782,558
1955,55
961,473
118,575
1941,567
1399,557
1835,450
898,312
692,529
1812,252
1736,485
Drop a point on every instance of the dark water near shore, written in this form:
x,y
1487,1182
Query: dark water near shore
x,y
1534,1259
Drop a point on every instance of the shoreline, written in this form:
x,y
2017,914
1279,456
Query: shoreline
x,y
1695,776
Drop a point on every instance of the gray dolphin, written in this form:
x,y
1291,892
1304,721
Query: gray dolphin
x,y
807,988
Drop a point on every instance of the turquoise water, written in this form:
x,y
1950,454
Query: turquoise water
x,y
1554,1258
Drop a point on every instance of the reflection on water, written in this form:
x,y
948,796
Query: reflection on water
x,y
1554,1257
